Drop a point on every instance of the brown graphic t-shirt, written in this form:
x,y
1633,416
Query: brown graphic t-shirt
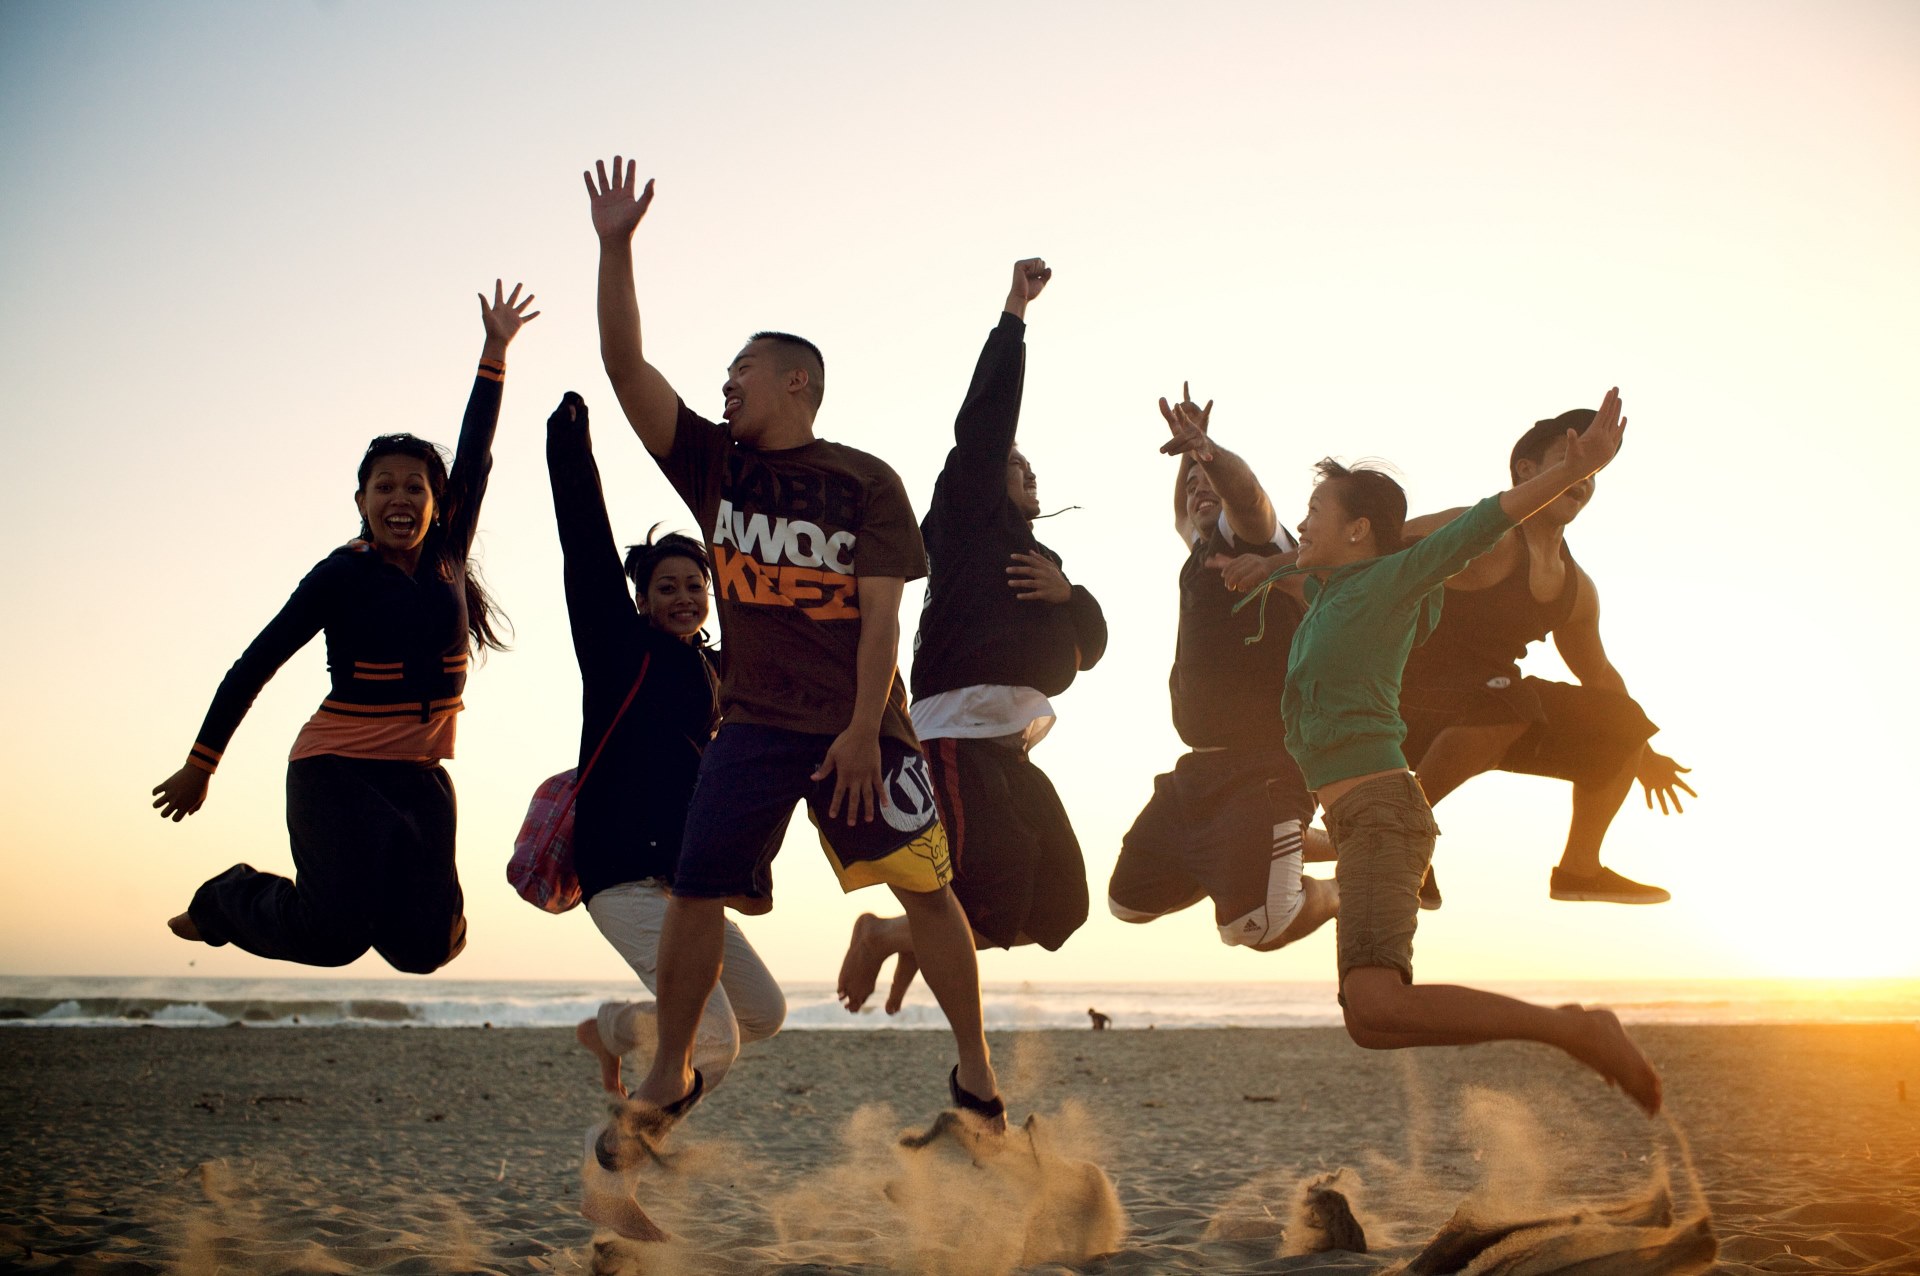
x,y
789,532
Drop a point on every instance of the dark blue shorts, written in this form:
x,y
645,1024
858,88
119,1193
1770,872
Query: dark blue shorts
x,y
750,778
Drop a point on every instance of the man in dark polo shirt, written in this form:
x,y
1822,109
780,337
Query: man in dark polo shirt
x,y
1228,822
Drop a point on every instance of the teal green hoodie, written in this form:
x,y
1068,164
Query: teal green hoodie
x,y
1341,705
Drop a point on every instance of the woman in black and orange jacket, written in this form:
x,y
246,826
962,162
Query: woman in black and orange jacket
x,y
370,811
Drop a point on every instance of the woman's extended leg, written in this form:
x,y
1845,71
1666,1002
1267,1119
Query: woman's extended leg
x,y
311,918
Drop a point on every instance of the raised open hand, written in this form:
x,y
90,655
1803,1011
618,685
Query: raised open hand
x,y
616,210
506,315
1590,449
1188,421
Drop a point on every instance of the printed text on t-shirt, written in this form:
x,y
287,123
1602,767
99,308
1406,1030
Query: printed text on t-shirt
x,y
783,562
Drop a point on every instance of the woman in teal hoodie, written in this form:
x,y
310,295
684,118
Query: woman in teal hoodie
x,y
1369,601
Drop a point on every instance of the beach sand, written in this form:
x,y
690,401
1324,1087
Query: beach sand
x,y
249,1150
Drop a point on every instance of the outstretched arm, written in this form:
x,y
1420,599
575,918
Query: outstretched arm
x,y
599,608
1588,451
1249,571
983,431
1578,641
183,792
1426,524
650,403
502,318
1249,512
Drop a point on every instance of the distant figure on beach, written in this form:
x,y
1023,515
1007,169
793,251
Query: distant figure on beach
x,y
1002,629
1228,822
1468,709
648,708
812,543
1100,1022
370,811
1370,598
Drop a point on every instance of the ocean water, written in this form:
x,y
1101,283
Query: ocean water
x,y
94,1001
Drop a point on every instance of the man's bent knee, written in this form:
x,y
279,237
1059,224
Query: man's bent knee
x,y
1368,997
1265,927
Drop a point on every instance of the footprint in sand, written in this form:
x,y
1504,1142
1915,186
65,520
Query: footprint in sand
x,y
1636,1237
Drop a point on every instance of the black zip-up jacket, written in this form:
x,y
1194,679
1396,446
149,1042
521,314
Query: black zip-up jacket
x,y
629,815
396,644
973,628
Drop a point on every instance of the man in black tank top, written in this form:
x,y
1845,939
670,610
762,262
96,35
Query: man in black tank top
x,y
1228,822
1469,710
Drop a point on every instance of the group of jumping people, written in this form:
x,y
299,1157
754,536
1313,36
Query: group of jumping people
x,y
1308,674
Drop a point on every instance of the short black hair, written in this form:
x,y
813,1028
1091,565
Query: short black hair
x,y
644,557
809,357
1542,435
1369,492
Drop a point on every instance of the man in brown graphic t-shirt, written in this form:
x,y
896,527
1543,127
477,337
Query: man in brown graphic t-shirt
x,y
813,543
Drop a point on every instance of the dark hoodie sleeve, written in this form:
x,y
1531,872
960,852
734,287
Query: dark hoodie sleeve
x,y
599,609
983,432
473,455
1089,626
303,616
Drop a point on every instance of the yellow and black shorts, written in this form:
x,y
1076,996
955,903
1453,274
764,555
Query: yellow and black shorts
x,y
752,776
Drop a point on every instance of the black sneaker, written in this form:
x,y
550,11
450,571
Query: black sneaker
x,y
1604,887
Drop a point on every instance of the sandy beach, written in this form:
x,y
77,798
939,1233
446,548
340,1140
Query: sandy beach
x,y
408,1151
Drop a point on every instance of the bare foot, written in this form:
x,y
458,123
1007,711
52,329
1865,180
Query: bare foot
x,y
622,1213
587,1033
182,925
874,940
905,967
1604,1046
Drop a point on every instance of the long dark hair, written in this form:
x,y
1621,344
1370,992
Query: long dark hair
x,y
482,613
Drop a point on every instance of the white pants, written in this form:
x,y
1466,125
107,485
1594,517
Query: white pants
x,y
746,1005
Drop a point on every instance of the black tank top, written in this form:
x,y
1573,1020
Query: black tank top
x,y
1485,632
1226,692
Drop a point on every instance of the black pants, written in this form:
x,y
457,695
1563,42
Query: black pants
x,y
1017,867
374,868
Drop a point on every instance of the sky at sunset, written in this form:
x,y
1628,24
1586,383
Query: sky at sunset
x,y
241,239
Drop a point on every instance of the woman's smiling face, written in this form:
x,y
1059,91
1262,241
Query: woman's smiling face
x,y
676,597
397,504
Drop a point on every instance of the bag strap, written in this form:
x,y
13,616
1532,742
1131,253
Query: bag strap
x,y
573,791
587,770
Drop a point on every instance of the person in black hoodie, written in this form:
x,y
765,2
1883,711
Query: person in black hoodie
x,y
649,705
1001,630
